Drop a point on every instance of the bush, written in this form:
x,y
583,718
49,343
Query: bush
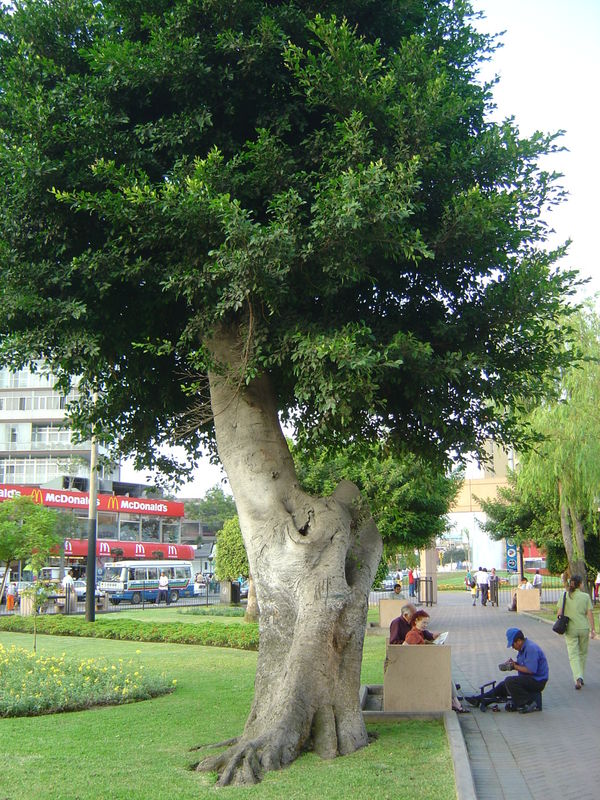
x,y
210,634
213,611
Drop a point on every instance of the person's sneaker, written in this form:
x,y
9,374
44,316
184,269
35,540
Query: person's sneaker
x,y
528,708
578,683
472,700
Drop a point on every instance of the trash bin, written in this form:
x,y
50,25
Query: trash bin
x,y
235,592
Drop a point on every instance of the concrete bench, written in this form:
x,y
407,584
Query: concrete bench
x,y
417,678
528,600
389,609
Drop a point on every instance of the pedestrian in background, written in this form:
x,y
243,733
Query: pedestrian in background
x,y
163,588
578,608
483,581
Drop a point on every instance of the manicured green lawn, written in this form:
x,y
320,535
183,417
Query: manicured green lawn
x,y
141,751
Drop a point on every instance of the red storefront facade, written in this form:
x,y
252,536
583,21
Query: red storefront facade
x,y
139,527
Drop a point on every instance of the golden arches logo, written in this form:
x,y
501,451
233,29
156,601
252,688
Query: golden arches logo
x,y
37,497
113,503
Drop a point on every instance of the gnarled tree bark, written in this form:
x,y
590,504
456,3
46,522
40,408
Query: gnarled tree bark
x,y
313,561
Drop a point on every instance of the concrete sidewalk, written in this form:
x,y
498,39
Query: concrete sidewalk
x,y
545,755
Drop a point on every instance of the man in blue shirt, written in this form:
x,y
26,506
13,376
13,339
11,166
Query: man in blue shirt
x,y
521,689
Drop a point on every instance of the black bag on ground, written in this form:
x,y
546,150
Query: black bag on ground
x,y
560,626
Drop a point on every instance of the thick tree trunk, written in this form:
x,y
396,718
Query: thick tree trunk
x,y
313,562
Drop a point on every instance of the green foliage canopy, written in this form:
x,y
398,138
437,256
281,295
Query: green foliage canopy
x,y
408,497
321,176
231,559
212,510
562,472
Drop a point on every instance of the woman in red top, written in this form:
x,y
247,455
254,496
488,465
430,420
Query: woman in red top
x,y
418,623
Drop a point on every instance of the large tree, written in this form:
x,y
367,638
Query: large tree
x,y
222,214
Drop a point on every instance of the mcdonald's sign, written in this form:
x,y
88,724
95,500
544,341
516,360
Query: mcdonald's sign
x,y
103,549
37,497
140,550
171,551
64,498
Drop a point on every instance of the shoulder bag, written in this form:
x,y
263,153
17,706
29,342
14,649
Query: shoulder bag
x,y
560,626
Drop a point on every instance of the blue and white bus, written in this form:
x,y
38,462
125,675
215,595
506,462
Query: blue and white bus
x,y
137,581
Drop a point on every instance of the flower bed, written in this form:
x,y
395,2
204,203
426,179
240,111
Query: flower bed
x,y
32,684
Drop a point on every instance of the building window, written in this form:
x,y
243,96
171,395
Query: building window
x,y
107,525
150,529
129,530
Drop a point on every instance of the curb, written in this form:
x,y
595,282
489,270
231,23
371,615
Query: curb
x,y
463,777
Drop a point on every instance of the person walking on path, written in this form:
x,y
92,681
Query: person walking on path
x,y
521,689
483,581
578,608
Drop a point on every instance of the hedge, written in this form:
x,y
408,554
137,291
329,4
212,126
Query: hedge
x,y
210,634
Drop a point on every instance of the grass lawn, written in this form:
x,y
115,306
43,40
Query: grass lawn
x,y
140,751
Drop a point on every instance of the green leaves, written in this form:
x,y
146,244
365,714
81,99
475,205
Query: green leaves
x,y
328,185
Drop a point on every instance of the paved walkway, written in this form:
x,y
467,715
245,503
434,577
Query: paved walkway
x,y
550,754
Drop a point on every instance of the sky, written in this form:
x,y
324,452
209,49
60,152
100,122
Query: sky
x,y
549,70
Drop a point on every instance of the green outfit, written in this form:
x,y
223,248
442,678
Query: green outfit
x,y
577,636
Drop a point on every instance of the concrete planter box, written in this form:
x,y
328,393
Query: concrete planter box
x,y
417,678
528,600
389,609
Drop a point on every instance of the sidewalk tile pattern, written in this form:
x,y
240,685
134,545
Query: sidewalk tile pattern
x,y
549,755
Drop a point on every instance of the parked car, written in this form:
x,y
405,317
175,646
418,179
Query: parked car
x,y
388,583
243,590
80,587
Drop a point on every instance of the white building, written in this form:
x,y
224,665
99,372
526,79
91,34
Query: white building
x,y
36,446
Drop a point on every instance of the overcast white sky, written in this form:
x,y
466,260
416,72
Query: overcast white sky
x,y
549,70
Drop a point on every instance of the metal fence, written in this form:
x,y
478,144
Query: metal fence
x,y
69,603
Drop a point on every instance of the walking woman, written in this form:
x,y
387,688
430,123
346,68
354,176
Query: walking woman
x,y
578,608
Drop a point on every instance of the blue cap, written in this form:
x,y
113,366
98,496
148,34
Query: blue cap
x,y
512,634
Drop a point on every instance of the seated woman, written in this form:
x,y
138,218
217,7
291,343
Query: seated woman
x,y
418,625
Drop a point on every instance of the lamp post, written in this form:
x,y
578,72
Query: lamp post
x,y
90,588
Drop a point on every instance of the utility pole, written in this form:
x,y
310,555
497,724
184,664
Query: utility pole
x,y
90,588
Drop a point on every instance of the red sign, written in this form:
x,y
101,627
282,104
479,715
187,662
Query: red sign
x,y
78,548
61,498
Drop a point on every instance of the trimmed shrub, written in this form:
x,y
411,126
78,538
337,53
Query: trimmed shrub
x,y
209,634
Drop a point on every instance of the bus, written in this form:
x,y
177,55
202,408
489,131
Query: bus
x,y
137,581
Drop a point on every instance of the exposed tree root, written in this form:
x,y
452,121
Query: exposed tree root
x,y
215,745
244,763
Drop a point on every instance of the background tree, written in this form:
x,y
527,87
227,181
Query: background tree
x,y
220,213
553,497
29,532
212,510
232,561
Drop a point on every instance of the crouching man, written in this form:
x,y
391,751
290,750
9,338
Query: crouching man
x,y
518,691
